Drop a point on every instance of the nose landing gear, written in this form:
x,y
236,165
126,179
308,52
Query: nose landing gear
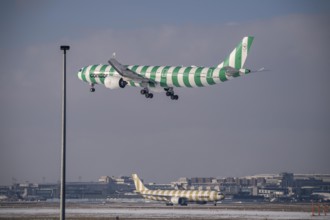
x,y
92,89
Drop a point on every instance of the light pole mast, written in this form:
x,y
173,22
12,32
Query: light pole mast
x,y
63,151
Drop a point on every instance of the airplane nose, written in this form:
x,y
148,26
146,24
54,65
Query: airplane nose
x,y
79,75
221,196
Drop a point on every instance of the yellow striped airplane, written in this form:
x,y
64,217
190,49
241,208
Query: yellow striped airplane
x,y
177,197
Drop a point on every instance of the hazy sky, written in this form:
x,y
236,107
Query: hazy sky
x,y
265,122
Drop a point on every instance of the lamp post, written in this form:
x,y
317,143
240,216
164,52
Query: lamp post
x,y
63,150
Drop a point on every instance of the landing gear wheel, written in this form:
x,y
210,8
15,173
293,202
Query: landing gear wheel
x,y
122,83
174,97
170,93
149,95
143,92
92,89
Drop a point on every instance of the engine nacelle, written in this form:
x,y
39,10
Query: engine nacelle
x,y
179,201
111,82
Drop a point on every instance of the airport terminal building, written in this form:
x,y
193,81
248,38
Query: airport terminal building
x,y
285,186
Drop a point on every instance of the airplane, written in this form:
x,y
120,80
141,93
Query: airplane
x,y
166,78
177,197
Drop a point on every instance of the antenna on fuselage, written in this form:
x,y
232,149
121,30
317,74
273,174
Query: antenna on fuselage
x,y
114,55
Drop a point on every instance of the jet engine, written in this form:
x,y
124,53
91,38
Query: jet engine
x,y
111,82
179,201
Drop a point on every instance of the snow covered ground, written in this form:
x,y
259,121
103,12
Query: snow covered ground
x,y
154,213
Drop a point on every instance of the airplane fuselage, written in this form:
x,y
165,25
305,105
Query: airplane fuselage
x,y
165,76
188,195
177,197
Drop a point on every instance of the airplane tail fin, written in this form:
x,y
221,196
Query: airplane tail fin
x,y
139,186
237,57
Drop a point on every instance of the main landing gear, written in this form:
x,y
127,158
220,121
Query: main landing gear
x,y
146,93
170,93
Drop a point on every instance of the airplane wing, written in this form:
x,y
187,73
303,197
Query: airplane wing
x,y
127,73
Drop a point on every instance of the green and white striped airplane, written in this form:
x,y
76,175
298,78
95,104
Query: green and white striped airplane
x,y
177,197
166,78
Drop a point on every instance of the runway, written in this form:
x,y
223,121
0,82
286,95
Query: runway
x,y
23,211
151,213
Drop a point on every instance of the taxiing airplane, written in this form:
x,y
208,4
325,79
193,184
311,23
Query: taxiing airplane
x,y
177,197
166,78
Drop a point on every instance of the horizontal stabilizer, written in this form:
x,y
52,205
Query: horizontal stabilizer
x,y
230,71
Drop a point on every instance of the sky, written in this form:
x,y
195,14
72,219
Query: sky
x,y
266,122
